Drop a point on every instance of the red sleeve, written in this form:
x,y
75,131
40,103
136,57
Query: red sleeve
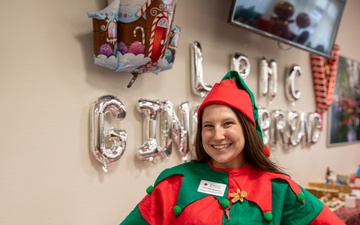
x,y
327,217
158,207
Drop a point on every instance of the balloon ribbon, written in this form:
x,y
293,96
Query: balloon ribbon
x,y
135,76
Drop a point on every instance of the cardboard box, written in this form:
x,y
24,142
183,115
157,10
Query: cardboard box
x,y
341,188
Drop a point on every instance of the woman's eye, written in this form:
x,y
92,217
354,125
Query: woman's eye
x,y
207,125
229,123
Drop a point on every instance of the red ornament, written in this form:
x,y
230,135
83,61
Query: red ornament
x,y
267,150
284,10
303,20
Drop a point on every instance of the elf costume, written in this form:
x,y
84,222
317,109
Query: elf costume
x,y
200,194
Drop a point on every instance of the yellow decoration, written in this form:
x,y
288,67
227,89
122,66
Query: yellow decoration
x,y
238,195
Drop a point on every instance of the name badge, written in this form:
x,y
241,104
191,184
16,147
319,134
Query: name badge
x,y
211,188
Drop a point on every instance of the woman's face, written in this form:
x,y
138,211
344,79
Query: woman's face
x,y
222,136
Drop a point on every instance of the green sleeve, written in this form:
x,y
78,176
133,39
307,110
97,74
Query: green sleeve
x,y
134,218
293,210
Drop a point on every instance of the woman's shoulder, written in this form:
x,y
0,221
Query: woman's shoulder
x,y
181,169
280,182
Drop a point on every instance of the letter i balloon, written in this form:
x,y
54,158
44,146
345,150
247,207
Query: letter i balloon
x,y
135,36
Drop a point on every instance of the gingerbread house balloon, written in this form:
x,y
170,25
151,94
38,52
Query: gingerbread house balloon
x,y
146,39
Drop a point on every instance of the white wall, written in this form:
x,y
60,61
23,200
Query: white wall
x,y
49,82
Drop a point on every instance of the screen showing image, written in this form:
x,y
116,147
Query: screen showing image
x,y
307,24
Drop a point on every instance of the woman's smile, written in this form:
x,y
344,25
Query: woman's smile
x,y
219,147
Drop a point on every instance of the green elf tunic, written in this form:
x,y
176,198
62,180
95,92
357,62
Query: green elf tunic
x,y
200,194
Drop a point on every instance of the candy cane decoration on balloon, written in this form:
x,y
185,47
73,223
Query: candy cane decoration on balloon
x,y
143,9
324,76
142,33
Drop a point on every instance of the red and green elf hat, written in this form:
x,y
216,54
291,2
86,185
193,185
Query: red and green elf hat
x,y
232,91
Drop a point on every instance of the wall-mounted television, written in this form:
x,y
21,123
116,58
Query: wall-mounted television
x,y
311,25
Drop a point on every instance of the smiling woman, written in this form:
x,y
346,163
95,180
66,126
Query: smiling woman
x,y
232,181
222,137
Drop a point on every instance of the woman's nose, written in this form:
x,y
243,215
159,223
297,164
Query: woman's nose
x,y
218,133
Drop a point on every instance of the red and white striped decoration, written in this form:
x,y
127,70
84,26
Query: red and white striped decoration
x,y
151,44
324,75
143,9
169,24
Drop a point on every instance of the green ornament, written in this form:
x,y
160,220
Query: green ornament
x,y
177,210
224,203
268,216
301,197
149,189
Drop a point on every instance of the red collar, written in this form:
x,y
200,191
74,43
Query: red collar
x,y
256,183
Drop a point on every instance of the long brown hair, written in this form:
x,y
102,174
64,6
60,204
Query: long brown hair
x,y
253,149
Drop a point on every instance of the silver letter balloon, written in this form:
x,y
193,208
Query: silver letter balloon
x,y
197,73
103,153
241,63
149,151
292,94
268,81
